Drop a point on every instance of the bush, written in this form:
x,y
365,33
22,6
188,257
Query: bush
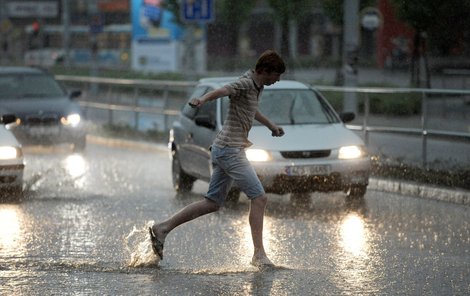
x,y
386,104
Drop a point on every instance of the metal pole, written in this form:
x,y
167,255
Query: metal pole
x,y
66,32
366,119
92,11
350,52
424,123
136,113
165,106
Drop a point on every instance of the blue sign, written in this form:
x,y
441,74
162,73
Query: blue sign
x,y
198,10
96,23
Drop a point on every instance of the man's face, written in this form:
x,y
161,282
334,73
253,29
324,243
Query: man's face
x,y
271,78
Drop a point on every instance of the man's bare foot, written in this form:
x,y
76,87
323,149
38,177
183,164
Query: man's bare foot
x,y
158,239
261,261
159,232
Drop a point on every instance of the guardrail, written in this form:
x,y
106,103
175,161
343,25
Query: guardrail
x,y
99,93
424,132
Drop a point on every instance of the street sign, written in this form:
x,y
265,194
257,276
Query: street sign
x,y
198,11
96,23
371,18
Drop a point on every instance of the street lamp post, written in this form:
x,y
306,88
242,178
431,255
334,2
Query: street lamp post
x,y
350,52
66,32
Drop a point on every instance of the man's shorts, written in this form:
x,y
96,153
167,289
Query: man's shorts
x,y
231,165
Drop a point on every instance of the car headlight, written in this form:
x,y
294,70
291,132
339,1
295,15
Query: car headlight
x,y
9,152
72,119
257,155
351,152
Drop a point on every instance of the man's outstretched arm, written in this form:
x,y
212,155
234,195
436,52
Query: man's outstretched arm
x,y
276,131
209,96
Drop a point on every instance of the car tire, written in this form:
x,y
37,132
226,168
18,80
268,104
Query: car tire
x,y
233,196
12,194
80,144
356,191
182,182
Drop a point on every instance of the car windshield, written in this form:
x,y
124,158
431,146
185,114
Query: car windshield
x,y
293,106
19,86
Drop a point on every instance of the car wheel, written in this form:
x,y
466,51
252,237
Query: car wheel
x,y
356,191
79,144
232,197
182,182
12,194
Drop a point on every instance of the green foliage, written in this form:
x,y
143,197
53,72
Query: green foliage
x,y
385,104
457,177
295,9
334,9
394,104
233,13
445,22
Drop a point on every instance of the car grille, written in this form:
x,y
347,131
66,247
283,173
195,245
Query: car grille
x,y
42,120
285,184
306,154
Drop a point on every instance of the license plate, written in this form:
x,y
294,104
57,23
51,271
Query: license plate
x,y
44,131
308,170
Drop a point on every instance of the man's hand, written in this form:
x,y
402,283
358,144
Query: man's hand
x,y
195,103
277,132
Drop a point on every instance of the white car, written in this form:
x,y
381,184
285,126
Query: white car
x,y
11,160
317,152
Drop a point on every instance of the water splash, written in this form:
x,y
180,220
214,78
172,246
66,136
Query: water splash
x,y
139,247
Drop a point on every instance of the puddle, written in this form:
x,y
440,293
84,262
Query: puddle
x,y
139,248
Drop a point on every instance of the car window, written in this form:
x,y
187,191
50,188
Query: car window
x,y
29,85
208,109
292,106
187,110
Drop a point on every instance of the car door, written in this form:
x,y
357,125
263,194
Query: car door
x,y
194,134
204,133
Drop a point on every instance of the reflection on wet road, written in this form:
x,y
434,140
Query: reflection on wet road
x,y
81,229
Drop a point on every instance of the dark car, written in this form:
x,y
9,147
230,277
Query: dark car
x,y
47,114
317,153
12,162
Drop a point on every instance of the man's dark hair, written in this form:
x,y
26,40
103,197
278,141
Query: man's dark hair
x,y
270,61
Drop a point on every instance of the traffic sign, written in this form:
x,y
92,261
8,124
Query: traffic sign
x,y
198,11
96,23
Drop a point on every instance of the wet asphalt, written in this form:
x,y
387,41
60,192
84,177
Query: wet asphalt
x,y
80,229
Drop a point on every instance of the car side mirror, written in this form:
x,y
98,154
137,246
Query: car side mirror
x,y
205,121
8,118
347,116
75,94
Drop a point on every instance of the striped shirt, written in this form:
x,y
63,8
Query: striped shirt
x,y
244,94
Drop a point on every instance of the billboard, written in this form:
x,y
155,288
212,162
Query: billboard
x,y
158,43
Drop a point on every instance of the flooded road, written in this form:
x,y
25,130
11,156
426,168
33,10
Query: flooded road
x,y
81,230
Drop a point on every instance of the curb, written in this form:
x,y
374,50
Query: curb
x,y
420,190
401,187
126,143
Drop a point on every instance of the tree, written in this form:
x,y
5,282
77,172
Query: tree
x,y
441,24
334,9
445,22
287,11
229,15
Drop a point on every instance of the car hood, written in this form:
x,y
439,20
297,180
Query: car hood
x,y
7,138
304,137
21,107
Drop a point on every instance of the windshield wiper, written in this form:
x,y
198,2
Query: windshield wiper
x,y
291,112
